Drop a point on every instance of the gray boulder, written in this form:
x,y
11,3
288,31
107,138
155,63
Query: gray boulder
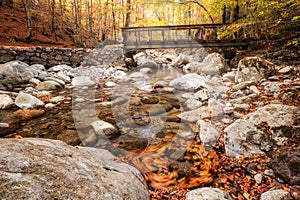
x,y
276,195
14,73
257,131
253,69
207,193
50,169
27,101
212,64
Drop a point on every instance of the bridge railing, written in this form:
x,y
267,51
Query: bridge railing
x,y
169,36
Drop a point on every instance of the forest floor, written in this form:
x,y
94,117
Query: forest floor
x,y
13,31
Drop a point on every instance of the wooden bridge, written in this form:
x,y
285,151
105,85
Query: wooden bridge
x,y
181,36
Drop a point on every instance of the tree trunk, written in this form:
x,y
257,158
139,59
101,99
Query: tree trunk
x,y
128,10
91,21
26,5
61,12
113,19
224,15
10,3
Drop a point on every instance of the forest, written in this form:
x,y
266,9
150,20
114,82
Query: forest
x,y
88,22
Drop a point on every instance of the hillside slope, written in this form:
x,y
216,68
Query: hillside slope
x,y
13,31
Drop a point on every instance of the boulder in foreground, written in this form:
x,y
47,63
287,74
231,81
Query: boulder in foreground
x,y
50,169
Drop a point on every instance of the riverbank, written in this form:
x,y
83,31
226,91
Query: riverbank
x,y
185,120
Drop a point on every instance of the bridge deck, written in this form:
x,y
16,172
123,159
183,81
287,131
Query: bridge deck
x,y
182,36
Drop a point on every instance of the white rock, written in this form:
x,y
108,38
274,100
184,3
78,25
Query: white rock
x,y
49,105
276,195
5,101
208,133
254,90
243,137
120,75
43,93
242,85
38,67
253,69
58,68
258,178
4,125
202,95
57,99
14,73
62,76
82,81
103,128
229,75
59,81
160,84
48,86
27,101
137,75
193,104
181,60
286,70
146,70
212,64
207,193
110,84
34,81
188,82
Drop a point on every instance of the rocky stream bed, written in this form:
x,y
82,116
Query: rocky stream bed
x,y
180,125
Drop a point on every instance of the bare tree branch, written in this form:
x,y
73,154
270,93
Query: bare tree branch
x,y
201,5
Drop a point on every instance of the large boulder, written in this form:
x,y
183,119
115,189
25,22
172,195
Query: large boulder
x,y
212,64
253,69
14,73
207,193
50,169
259,131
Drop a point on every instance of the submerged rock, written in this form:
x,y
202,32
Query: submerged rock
x,y
50,169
